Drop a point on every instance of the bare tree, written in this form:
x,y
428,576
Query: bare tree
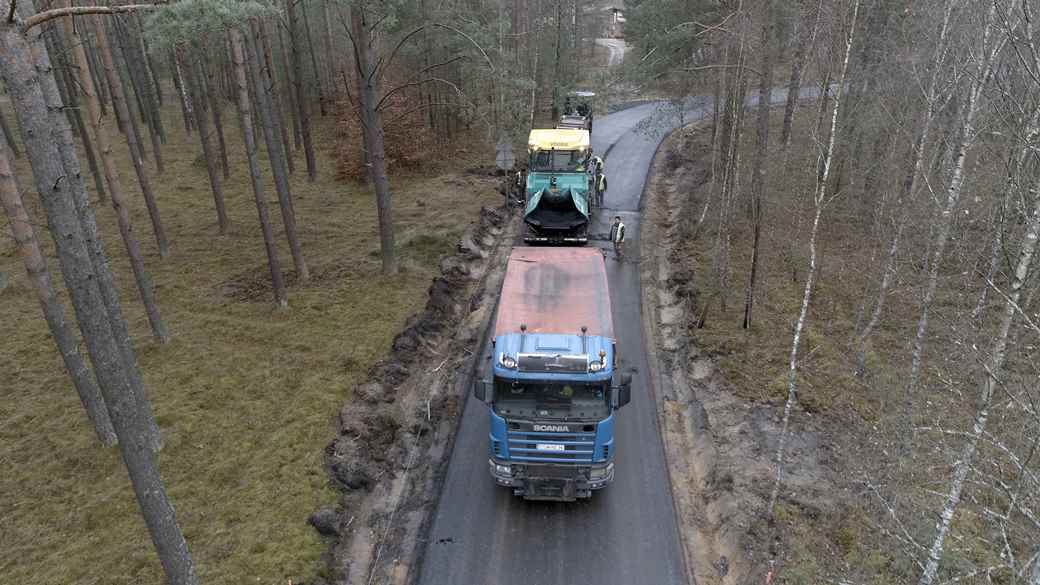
x,y
986,52
806,40
933,97
819,202
361,36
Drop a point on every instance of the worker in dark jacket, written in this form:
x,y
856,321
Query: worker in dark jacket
x,y
617,236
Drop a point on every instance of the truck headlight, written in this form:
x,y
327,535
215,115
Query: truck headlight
x,y
595,366
499,469
600,473
507,361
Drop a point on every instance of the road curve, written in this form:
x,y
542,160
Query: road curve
x,y
626,534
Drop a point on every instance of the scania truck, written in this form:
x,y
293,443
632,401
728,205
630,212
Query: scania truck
x,y
553,390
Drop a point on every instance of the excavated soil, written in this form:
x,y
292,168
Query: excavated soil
x,y
395,435
720,447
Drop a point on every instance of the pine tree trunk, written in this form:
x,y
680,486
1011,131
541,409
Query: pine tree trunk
x,y
52,157
319,83
199,105
327,47
269,74
119,105
99,81
53,311
819,200
275,154
289,90
249,139
129,59
9,136
209,83
373,130
115,188
69,96
301,97
61,137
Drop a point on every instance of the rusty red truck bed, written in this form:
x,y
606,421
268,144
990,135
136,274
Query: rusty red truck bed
x,y
555,290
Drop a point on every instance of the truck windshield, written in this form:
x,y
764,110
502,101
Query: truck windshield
x,y
562,400
557,160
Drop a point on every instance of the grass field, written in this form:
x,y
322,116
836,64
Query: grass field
x,y
245,395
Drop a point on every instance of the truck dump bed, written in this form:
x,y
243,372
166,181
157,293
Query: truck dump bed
x,y
555,290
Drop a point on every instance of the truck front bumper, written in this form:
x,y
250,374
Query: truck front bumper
x,y
552,482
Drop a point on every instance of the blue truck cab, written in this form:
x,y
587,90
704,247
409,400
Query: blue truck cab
x,y
553,391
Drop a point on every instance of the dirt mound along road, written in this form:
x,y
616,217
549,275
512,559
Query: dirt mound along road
x,y
395,435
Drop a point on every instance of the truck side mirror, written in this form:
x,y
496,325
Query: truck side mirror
x,y
480,390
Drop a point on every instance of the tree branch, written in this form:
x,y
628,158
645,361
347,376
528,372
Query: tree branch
x,y
47,15
379,105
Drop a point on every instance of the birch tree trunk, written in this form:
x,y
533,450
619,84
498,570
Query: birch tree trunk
x,y
910,185
53,311
115,187
119,104
988,51
991,375
26,70
275,153
249,139
819,201
373,130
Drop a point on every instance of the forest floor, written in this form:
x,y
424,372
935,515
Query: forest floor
x,y
724,387
245,394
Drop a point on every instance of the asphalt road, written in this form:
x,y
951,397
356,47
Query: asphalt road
x,y
616,48
626,534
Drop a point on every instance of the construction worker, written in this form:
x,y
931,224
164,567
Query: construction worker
x,y
617,236
601,188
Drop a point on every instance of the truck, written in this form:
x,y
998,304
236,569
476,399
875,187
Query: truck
x,y
559,186
553,389
577,110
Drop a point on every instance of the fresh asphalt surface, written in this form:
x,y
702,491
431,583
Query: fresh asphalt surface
x,y
625,534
